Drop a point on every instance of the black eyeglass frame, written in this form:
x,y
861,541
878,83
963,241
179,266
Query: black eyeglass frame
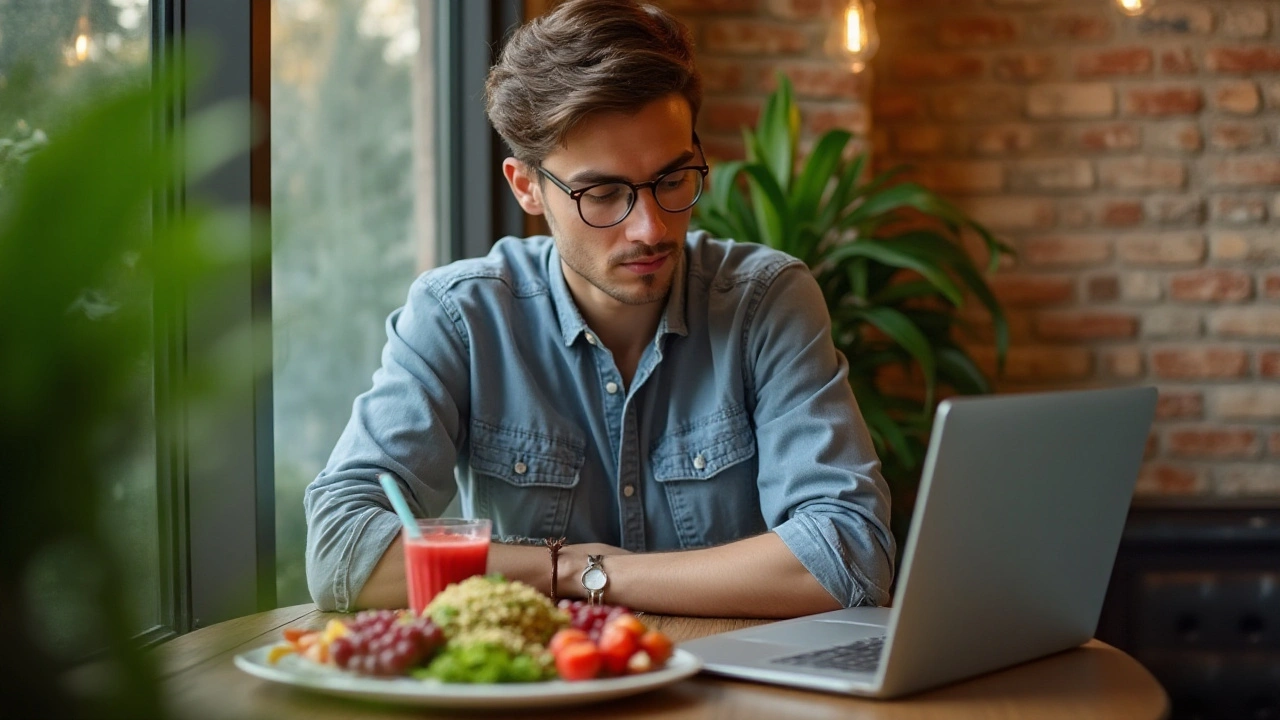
x,y
576,195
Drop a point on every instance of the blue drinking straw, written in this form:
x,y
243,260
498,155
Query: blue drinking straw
x,y
402,507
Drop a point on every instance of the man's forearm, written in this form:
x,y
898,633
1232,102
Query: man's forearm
x,y
386,587
755,577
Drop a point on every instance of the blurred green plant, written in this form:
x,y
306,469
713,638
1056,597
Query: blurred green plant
x,y
80,258
889,259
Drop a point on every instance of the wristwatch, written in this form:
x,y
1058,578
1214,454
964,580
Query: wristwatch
x,y
594,579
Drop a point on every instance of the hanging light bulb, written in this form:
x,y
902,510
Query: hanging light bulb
x,y
78,52
853,39
1134,7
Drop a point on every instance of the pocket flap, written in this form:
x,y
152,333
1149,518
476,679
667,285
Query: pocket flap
x,y
526,458
704,447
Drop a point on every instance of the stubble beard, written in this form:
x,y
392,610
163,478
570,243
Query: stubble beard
x,y
575,256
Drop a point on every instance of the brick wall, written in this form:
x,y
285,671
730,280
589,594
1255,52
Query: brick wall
x,y
1133,162
1135,165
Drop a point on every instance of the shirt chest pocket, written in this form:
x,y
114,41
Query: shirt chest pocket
x,y
707,470
525,479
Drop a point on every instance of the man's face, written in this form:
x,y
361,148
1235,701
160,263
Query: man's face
x,y
633,262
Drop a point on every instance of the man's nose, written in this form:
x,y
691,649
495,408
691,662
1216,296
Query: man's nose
x,y
646,224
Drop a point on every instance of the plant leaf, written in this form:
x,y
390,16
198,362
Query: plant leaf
x,y
770,206
899,254
777,134
905,333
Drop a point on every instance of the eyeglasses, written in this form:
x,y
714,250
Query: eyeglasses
x,y
607,204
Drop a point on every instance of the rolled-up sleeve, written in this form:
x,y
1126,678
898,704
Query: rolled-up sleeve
x,y
820,485
410,424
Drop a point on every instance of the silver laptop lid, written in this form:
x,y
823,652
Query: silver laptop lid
x,y
1019,517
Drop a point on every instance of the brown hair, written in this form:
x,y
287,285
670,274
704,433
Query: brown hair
x,y
584,57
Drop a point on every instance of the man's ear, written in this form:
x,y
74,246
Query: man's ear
x,y
524,185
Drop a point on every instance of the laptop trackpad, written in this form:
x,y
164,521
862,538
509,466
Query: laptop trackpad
x,y
814,633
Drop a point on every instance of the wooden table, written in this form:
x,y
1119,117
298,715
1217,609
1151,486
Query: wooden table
x,y
1093,681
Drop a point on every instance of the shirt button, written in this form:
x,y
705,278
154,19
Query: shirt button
x,y
611,388
521,468
629,490
591,338
699,462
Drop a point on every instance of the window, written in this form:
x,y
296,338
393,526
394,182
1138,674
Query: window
x,y
353,221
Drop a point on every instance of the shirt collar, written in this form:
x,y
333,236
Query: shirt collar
x,y
571,323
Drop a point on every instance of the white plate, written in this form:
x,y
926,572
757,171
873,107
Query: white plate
x,y
300,672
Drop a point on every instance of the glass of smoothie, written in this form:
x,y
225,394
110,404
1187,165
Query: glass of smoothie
x,y
449,551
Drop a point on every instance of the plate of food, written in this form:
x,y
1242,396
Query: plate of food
x,y
484,643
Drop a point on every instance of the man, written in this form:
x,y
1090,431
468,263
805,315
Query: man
x,y
623,384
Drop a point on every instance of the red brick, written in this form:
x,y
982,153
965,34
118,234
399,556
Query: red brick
x,y
1258,247
1114,61
1176,19
976,31
1144,287
754,37
1238,97
1080,27
1076,325
793,9
1170,323
1179,137
1175,209
1052,174
1023,66
1170,248
1122,213
1211,285
919,139
720,115
1258,322
820,80
1163,102
1262,481
1271,285
937,67
963,176
1244,171
969,103
1162,479
1123,362
1177,62
1245,21
817,119
1238,209
1273,444
1111,136
1243,60
889,105
1241,402
1076,213
1010,213
1103,288
724,76
723,147
1237,136
1003,139
1039,364
1199,363
1033,290
1142,173
1071,100
1212,442
1269,363
1179,405
709,6
1065,251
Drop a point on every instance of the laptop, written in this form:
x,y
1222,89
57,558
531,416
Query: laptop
x,y
1015,530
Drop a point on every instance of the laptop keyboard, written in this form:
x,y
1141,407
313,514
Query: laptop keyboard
x,y
859,656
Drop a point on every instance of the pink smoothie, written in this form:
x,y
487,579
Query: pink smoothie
x,y
439,559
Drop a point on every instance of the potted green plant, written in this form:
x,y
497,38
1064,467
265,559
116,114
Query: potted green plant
x,y
889,258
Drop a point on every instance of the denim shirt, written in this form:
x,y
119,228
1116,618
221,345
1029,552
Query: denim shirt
x,y
739,420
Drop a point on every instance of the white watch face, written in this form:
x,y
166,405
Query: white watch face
x,y
594,579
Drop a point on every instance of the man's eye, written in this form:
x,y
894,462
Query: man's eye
x,y
605,194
